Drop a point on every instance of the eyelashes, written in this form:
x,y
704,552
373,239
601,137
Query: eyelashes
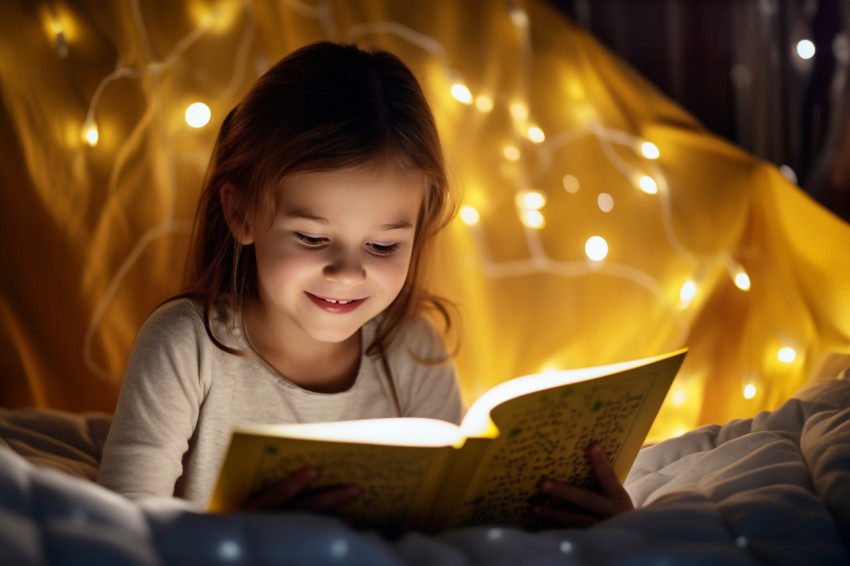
x,y
320,241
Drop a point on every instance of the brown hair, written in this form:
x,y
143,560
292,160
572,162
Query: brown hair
x,y
324,106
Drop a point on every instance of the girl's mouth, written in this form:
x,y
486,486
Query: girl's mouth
x,y
335,305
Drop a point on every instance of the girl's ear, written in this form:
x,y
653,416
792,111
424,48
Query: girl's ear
x,y
239,227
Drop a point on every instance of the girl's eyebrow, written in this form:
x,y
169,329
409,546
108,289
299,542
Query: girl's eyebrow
x,y
305,215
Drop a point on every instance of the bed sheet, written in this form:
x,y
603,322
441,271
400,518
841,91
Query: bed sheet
x,y
773,489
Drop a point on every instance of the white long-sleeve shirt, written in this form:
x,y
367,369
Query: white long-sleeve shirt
x,y
181,396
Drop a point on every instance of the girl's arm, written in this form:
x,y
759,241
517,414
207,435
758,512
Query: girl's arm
x,y
158,406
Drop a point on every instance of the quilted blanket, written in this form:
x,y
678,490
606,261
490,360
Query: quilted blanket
x,y
773,489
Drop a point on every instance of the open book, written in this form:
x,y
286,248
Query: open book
x,y
432,475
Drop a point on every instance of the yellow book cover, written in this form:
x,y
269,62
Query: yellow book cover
x,y
432,475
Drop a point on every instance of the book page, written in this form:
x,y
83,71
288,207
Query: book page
x,y
393,479
546,435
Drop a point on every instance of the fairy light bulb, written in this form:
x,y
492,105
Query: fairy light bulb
x,y
648,185
678,398
511,153
484,103
605,202
688,291
519,111
461,93
787,355
749,391
198,115
531,200
571,184
742,280
536,135
533,219
469,215
596,248
650,150
805,49
90,133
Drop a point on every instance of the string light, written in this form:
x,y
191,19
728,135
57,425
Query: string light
x,y
650,150
536,135
787,355
469,215
90,133
511,153
647,184
531,200
688,292
461,93
484,103
571,184
198,115
749,391
605,202
805,49
533,219
596,248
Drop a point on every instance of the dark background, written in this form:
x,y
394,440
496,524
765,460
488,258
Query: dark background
x,y
732,64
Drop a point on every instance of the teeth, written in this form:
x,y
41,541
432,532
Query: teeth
x,y
337,302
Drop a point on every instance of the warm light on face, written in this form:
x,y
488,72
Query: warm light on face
x,y
596,248
198,115
649,150
469,215
461,93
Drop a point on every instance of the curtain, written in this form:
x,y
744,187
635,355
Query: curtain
x,y
578,242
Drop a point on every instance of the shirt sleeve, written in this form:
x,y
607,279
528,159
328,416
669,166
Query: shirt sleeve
x,y
427,387
158,405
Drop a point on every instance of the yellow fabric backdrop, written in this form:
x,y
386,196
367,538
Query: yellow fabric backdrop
x,y
93,236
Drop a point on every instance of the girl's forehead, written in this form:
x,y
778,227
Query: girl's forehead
x,y
343,192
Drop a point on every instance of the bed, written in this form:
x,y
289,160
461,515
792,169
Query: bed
x,y
772,489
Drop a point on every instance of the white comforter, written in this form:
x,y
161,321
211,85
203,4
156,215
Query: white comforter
x,y
774,489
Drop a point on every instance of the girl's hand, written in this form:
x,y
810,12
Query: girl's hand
x,y
588,507
294,494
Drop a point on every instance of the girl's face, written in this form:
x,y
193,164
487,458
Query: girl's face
x,y
338,250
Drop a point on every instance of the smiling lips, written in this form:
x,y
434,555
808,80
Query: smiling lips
x,y
340,306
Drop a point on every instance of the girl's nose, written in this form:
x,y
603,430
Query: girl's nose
x,y
346,268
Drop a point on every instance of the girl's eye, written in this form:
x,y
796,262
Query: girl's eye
x,y
311,241
383,249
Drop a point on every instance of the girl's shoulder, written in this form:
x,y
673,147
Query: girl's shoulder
x,y
176,314
183,319
421,337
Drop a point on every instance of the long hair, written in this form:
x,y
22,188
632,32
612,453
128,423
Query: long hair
x,y
323,107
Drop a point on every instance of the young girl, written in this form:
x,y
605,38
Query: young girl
x,y
305,298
